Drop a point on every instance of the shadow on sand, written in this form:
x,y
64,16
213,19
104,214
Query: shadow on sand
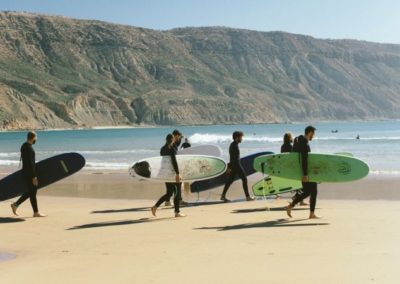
x,y
141,209
118,223
5,220
262,209
268,224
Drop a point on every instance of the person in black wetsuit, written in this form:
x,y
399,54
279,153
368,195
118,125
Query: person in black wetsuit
x,y
287,147
169,150
302,146
235,168
186,144
29,172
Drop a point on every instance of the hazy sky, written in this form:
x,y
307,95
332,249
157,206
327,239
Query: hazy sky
x,y
370,20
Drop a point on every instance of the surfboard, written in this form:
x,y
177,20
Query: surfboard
x,y
191,168
271,185
321,167
48,171
209,150
247,164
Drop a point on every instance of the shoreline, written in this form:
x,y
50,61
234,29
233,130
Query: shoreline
x,y
117,184
196,125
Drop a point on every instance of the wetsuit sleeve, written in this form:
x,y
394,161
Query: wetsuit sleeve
x,y
174,163
233,155
304,162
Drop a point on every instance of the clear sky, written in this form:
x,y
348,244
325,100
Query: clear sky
x,y
372,20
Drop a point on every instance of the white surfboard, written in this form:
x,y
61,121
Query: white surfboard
x,y
191,168
209,150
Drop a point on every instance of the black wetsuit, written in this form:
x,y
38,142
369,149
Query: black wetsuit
x,y
236,169
309,188
29,171
186,145
178,185
286,148
172,188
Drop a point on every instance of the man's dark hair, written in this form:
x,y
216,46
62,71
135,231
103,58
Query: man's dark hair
x,y
309,129
169,139
31,135
176,132
237,134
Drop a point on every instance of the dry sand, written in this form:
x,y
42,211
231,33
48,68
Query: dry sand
x,y
114,239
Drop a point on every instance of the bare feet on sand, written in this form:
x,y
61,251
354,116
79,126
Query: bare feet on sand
x,y
302,203
314,216
14,209
38,214
289,210
250,198
153,211
177,215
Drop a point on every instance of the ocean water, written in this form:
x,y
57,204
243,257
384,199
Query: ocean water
x,y
114,149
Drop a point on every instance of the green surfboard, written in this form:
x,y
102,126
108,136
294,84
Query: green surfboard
x,y
321,167
275,185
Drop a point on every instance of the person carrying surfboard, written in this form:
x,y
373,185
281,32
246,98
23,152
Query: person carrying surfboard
x,y
169,150
302,146
29,171
235,167
287,147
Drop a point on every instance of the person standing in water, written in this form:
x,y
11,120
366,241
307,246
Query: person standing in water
x,y
302,147
287,147
29,173
186,144
235,167
169,150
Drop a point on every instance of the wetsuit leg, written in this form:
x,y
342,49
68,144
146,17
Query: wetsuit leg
x,y
169,191
313,195
31,193
166,196
305,193
229,181
177,196
243,177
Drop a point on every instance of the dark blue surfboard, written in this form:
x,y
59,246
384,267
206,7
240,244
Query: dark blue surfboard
x,y
247,164
48,171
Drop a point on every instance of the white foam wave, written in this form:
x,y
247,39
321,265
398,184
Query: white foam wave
x,y
206,138
8,162
385,172
10,155
106,166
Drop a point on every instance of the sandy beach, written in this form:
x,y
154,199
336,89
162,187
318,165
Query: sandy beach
x,y
87,239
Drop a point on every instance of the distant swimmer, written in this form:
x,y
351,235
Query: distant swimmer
x,y
235,168
29,172
335,131
302,146
186,144
358,137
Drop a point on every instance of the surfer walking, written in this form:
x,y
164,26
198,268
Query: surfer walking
x,y
302,147
29,173
287,147
169,150
235,168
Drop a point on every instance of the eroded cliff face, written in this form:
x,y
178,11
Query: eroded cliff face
x,y
57,72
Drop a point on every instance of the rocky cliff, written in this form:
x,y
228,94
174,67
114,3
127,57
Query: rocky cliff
x,y
60,72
